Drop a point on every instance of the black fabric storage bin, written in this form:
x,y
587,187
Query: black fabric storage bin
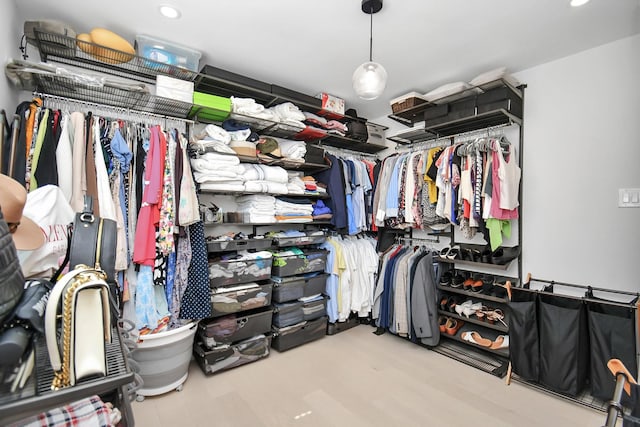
x,y
500,98
287,314
524,349
235,245
315,285
291,265
435,111
302,333
295,97
564,344
225,357
234,327
226,272
231,299
511,106
314,309
314,155
300,240
612,335
287,288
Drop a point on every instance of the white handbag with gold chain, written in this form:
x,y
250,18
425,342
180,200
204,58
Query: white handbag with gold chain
x,y
81,300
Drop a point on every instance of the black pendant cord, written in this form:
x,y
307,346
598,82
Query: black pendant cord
x,y
371,35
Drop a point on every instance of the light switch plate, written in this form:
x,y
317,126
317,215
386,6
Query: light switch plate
x,y
629,198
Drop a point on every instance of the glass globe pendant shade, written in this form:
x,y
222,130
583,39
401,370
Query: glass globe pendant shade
x,y
369,80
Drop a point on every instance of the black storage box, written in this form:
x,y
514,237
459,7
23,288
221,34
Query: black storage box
x,y
291,265
313,309
221,82
239,245
314,155
302,333
225,356
232,299
435,111
315,284
500,98
287,314
234,327
228,272
297,97
287,289
337,327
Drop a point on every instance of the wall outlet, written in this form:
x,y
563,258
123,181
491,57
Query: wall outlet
x,y
629,198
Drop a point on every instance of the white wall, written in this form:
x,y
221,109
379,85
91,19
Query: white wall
x,y
9,41
582,143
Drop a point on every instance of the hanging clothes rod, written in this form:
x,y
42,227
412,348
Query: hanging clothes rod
x,y
106,107
435,239
482,132
585,287
343,152
423,146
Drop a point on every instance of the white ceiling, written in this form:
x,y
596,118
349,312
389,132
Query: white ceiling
x,y
315,46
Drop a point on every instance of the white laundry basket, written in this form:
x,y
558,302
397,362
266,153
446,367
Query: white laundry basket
x,y
164,360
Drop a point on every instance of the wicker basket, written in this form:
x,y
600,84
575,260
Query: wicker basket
x,y
406,101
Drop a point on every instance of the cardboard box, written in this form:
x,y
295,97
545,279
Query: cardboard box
x,y
180,90
331,103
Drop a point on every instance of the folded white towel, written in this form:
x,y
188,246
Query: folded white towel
x,y
215,133
219,186
288,111
220,176
246,105
205,145
292,149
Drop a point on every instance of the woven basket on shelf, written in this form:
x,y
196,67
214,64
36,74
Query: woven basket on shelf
x,y
406,104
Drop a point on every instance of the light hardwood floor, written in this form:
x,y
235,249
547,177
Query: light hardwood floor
x,y
354,379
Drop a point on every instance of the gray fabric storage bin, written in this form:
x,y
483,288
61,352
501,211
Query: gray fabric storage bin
x,y
296,335
247,296
291,265
315,285
238,245
287,288
287,314
223,357
234,327
227,272
314,309
299,240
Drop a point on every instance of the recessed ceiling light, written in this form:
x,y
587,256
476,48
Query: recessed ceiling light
x,y
576,3
169,12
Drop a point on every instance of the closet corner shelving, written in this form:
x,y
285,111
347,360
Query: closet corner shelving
x,y
491,105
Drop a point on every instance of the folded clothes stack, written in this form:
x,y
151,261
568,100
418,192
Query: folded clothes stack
x,y
330,126
290,116
293,210
212,139
295,184
264,179
257,208
248,110
321,211
310,186
292,150
218,172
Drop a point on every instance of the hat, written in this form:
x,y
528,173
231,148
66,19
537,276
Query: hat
x,y
268,147
26,234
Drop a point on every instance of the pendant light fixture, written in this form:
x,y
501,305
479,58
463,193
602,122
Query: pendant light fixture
x,y
370,78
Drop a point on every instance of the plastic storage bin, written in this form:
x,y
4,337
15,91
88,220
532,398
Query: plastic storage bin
x,y
225,357
232,299
234,327
164,360
238,245
310,239
291,265
210,107
167,52
291,288
239,271
296,335
313,309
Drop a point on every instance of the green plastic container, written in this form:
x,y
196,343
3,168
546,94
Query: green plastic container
x,y
210,107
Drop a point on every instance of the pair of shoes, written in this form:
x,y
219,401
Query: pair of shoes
x,y
468,308
475,338
469,254
502,256
452,252
452,326
493,315
501,341
446,278
442,322
457,281
487,284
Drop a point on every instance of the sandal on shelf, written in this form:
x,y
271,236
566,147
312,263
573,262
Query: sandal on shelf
x,y
481,313
502,341
453,326
476,338
496,314
442,321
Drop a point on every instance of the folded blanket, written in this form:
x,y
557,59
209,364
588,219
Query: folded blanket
x,y
288,111
209,145
215,133
246,105
292,149
291,125
266,187
256,198
220,159
219,176
219,186
294,189
209,166
264,173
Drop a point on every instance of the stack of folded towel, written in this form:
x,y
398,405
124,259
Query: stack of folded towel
x,y
212,139
295,184
264,178
292,150
293,210
257,208
290,116
218,172
248,110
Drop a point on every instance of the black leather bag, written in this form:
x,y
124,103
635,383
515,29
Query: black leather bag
x,y
11,278
356,127
93,241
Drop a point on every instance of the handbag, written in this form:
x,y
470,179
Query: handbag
x,y
11,278
93,241
81,300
